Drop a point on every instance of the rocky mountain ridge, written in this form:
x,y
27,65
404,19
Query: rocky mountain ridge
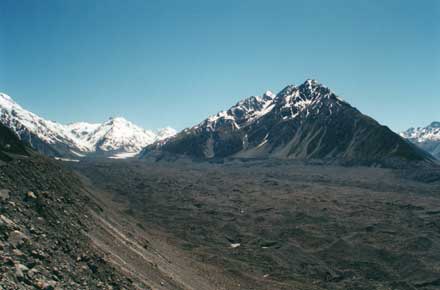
x,y
43,225
308,122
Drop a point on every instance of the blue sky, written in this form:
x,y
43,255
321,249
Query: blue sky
x,y
161,63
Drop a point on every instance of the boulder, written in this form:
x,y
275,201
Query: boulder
x,y
32,272
31,195
4,194
6,223
17,238
20,269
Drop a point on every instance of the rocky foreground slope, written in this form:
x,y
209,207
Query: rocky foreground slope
x,y
283,225
58,232
43,225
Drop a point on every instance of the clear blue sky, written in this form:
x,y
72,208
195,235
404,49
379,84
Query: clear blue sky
x,y
173,63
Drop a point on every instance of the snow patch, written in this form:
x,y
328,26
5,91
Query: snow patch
x,y
66,159
124,155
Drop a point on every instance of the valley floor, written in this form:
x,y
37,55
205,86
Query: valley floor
x,y
266,225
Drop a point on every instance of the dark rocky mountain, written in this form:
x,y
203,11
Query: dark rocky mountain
x,y
305,122
427,138
10,144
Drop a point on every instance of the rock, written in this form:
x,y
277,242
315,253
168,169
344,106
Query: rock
x,y
31,262
50,285
32,272
7,261
92,267
100,284
56,271
17,253
4,194
31,194
7,222
34,231
20,270
39,284
17,238
38,254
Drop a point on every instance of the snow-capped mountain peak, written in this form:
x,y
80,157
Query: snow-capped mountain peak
x,y
165,133
427,138
82,129
242,113
118,121
309,90
118,134
268,95
423,134
27,124
5,98
289,102
115,135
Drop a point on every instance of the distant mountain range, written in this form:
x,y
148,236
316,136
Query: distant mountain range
x,y
427,138
307,122
116,137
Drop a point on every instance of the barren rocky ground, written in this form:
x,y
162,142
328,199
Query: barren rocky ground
x,y
182,225
57,231
279,225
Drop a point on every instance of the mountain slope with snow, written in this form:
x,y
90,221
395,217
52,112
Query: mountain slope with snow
x,y
48,137
114,136
308,121
427,138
